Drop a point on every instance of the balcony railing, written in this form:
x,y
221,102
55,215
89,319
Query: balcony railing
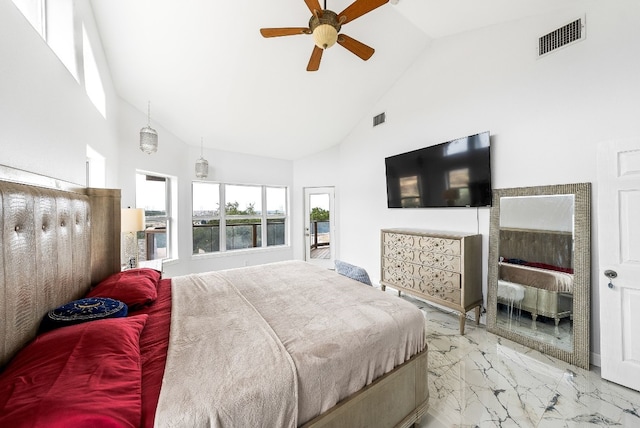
x,y
206,237
155,243
319,233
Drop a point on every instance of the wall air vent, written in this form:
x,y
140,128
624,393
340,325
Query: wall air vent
x,y
563,36
379,119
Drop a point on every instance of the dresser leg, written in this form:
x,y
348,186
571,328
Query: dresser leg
x,y
477,315
463,318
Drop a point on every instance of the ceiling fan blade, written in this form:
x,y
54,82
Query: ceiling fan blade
x,y
314,61
356,47
285,31
314,5
358,8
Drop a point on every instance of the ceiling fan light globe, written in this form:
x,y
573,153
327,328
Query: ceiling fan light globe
x,y
325,36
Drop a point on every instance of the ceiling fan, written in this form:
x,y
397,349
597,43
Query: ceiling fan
x,y
325,26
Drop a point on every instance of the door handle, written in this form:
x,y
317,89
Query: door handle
x,y
611,274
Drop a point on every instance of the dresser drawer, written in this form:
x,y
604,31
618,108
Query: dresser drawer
x,y
398,271
438,291
425,243
436,286
435,260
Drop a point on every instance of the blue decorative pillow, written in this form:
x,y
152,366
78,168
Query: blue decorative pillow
x,y
83,310
353,272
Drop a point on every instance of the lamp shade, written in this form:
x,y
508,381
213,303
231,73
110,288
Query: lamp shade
x,y
148,140
148,136
202,168
132,219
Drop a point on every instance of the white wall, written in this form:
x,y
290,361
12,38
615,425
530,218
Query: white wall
x,y
319,170
46,118
177,159
546,117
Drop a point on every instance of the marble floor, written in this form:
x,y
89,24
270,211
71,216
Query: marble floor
x,y
483,380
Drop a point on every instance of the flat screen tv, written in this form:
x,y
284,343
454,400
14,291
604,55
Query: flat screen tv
x,y
452,174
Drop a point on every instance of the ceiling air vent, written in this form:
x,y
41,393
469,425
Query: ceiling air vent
x,y
379,119
563,36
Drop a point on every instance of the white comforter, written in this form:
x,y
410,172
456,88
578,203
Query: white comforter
x,y
278,344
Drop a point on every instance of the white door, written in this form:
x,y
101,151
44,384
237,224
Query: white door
x,y
619,243
319,225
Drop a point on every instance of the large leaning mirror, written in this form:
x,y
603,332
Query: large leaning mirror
x,y
540,269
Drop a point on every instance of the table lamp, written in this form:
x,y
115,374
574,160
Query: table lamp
x,y
131,221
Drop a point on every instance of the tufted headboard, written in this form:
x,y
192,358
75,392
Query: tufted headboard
x,y
542,246
57,240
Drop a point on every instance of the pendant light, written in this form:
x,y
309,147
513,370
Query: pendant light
x,y
202,165
148,136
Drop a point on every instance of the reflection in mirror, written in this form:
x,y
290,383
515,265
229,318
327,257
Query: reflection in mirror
x,y
535,274
539,269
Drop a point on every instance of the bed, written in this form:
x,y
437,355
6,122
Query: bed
x,y
533,278
283,344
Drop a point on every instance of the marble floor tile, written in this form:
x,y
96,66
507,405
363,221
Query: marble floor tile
x,y
483,380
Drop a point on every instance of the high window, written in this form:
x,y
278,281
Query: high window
x,y
253,217
92,80
57,22
54,22
34,11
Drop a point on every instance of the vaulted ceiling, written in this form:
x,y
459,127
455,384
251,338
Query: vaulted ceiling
x,y
209,73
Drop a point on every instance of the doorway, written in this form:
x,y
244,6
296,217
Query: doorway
x,y
619,252
319,226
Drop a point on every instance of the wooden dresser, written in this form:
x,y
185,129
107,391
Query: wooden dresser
x,y
440,267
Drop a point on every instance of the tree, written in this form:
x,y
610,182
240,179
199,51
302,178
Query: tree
x,y
232,209
319,214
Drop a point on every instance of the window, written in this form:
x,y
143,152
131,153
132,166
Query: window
x,y
153,194
206,217
92,80
253,217
243,212
276,215
58,23
33,10
54,22
96,168
61,33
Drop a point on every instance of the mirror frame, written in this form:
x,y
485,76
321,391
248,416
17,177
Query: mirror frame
x,y
579,355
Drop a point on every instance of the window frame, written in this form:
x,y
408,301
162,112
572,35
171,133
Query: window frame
x,y
264,218
170,186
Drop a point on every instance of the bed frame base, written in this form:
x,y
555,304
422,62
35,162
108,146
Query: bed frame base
x,y
398,399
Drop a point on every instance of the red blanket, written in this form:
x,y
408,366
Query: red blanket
x,y
154,341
